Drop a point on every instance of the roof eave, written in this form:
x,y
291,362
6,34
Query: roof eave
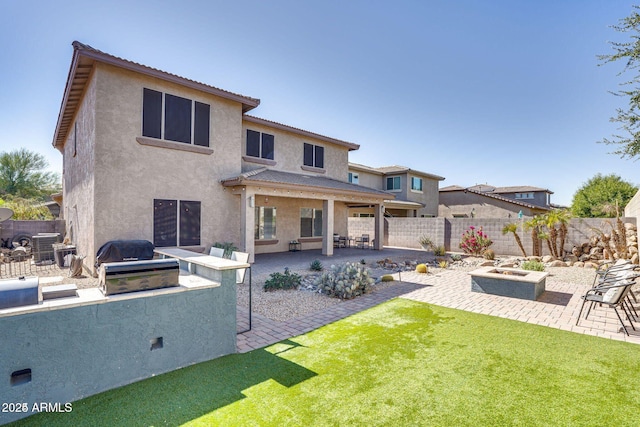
x,y
240,181
350,145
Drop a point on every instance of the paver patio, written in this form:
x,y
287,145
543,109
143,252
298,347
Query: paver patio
x,y
558,306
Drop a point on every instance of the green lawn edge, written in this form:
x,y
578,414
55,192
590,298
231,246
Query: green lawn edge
x,y
402,362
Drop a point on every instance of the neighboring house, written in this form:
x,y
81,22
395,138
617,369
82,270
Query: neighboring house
x,y
151,155
484,201
525,193
415,192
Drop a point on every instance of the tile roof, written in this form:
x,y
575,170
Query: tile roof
x,y
387,170
513,189
82,62
493,195
299,180
351,146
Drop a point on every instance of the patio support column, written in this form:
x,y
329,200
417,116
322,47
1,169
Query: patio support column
x,y
327,226
248,223
379,226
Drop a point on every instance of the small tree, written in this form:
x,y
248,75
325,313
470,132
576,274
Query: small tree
x,y
513,228
534,225
600,191
629,119
22,175
555,222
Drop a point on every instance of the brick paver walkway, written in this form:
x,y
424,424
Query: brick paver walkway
x,y
558,307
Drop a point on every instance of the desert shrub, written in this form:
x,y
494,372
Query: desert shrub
x,y
456,257
278,280
443,264
474,241
387,278
345,281
227,246
426,242
532,266
489,254
439,251
421,268
315,265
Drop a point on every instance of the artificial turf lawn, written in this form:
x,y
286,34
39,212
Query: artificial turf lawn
x,y
400,363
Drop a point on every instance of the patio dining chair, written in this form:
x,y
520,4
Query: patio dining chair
x,y
362,242
620,267
611,293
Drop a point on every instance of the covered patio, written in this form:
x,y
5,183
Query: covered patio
x,y
279,208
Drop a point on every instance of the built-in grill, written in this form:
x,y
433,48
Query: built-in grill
x,y
124,250
19,292
131,276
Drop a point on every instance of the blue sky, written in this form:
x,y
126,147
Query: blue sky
x,y
505,92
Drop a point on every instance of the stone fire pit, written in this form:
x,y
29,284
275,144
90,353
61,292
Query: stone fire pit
x,y
509,282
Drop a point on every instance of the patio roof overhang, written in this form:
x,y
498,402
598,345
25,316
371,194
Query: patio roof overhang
x,y
402,204
286,184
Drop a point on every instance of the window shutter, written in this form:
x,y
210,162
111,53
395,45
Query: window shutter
x,y
253,143
152,113
319,158
177,119
308,154
201,124
189,223
165,221
267,146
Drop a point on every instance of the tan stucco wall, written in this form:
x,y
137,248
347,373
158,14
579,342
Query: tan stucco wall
x,y
288,221
367,179
113,180
289,152
78,176
129,176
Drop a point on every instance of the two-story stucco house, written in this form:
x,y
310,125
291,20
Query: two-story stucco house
x,y
151,155
415,193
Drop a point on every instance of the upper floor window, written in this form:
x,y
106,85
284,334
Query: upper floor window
x,y
416,183
353,178
524,195
170,117
260,144
313,155
393,183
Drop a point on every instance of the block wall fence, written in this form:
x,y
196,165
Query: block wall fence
x,y
447,232
10,228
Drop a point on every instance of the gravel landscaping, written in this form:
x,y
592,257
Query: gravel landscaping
x,y
284,305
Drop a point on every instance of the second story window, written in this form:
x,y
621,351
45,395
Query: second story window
x,y
524,195
393,183
353,178
260,144
313,155
416,183
170,117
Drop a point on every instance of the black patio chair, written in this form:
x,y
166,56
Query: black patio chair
x,y
612,292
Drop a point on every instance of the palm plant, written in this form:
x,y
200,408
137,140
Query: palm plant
x,y
534,225
513,228
555,222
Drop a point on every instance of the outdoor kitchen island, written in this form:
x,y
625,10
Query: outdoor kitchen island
x,y
61,350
